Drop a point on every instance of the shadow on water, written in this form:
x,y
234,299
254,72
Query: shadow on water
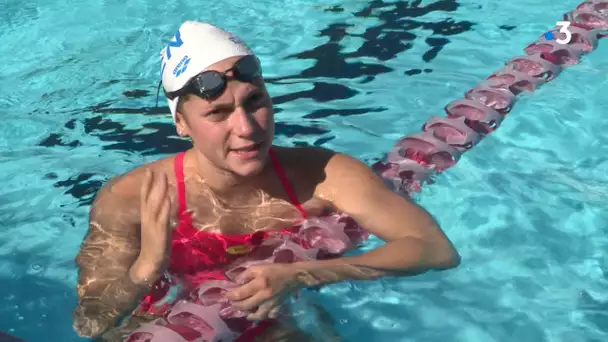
x,y
383,42
596,311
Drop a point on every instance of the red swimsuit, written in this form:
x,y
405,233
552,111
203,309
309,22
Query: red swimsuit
x,y
197,256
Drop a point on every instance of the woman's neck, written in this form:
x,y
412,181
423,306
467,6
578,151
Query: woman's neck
x,y
225,183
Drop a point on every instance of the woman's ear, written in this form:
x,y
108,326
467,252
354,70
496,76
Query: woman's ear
x,y
181,125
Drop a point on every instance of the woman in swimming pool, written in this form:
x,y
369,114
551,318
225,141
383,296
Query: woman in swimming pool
x,y
193,216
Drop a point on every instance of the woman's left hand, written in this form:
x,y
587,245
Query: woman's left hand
x,y
263,290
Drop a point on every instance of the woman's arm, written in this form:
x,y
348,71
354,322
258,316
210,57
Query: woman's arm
x,y
415,243
107,285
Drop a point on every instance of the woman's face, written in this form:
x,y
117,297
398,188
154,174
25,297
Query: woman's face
x,y
233,131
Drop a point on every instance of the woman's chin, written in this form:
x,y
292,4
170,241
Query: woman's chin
x,y
247,164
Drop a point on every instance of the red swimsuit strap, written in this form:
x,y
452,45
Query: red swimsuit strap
x,y
286,185
181,187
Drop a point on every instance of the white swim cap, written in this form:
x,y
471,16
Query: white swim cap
x,y
195,47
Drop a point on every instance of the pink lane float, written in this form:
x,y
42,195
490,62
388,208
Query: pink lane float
x,y
201,314
443,140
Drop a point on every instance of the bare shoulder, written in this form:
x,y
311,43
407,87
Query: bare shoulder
x,y
324,170
304,163
320,162
120,195
114,217
303,155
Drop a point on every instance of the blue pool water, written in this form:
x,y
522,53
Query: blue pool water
x,y
525,208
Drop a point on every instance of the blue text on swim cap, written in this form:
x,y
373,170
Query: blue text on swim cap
x,y
181,67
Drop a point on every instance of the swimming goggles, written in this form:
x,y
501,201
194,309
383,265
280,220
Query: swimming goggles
x,y
211,83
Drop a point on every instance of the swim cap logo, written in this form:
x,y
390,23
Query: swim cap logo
x,y
181,67
175,42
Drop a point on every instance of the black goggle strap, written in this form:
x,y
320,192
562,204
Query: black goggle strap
x,y
158,91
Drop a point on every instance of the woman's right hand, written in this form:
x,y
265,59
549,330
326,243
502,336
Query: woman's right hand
x,y
155,250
